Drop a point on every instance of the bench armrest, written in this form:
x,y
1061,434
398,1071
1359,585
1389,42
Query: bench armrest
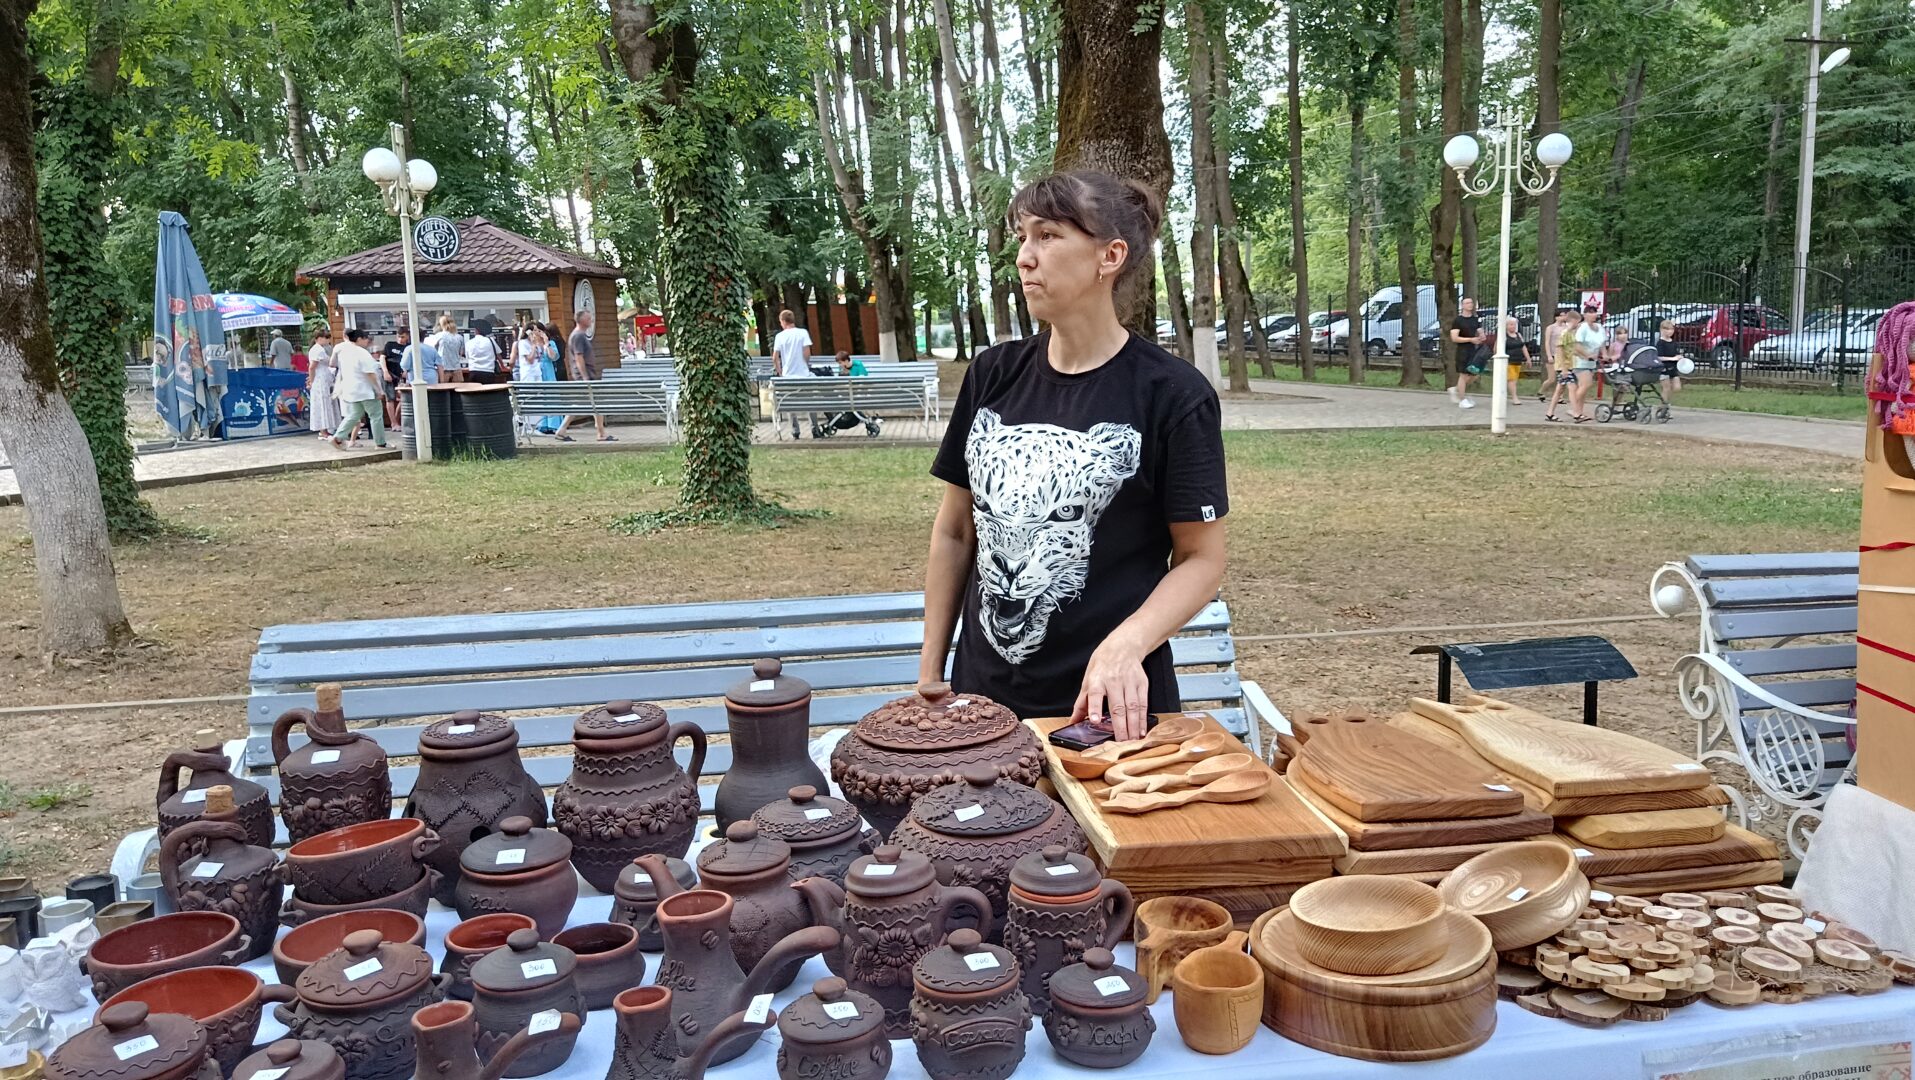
x,y
1694,676
1672,591
1258,709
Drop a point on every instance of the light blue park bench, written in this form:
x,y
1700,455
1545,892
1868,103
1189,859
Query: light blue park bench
x,y
1771,684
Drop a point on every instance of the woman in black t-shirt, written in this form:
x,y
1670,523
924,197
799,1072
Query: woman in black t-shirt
x,y
1082,521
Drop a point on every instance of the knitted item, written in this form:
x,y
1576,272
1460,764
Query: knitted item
x,y
1894,339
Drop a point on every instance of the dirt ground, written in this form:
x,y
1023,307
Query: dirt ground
x,y
1336,531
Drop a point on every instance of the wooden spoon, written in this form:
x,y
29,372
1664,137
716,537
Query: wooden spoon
x,y
1188,752
1173,730
1240,786
1197,775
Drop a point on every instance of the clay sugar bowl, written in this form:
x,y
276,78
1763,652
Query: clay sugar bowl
x,y
293,1059
834,1031
185,939
522,869
226,1001
132,1043
299,948
905,748
1097,1015
825,835
1524,893
969,1014
1369,925
472,939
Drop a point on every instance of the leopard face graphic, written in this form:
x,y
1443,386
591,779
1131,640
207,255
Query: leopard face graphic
x,y
1037,491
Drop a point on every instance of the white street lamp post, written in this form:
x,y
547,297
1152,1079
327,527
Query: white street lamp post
x,y
403,186
1511,163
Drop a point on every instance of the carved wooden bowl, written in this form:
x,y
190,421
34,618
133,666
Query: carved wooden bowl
x,y
1369,925
1524,892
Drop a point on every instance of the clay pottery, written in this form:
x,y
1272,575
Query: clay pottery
x,y
293,1059
131,1043
174,942
360,999
1218,997
471,940
226,1001
905,749
1369,925
470,779
825,834
976,829
520,869
444,1034
769,721
228,873
752,870
14,886
834,1031
701,968
339,777
1097,1015
1524,893
356,863
1059,906
636,902
608,960
207,767
647,1040
121,913
627,796
889,914
99,890
301,947
511,986
1170,928
968,1011
1355,1017
413,900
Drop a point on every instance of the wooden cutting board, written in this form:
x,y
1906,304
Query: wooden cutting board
x,y
1562,758
1398,835
1375,772
1702,878
1735,846
1413,860
1646,828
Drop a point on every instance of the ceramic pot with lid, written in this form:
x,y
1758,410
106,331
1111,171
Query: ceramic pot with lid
x,y
1059,906
833,1031
339,778
627,796
769,720
228,873
975,830
207,767
360,1000
826,835
968,1012
293,1059
511,986
470,780
1098,1017
300,948
473,940
226,1001
129,1043
751,869
904,749
519,869
636,899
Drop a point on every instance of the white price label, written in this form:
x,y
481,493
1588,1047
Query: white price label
x,y
1601,897
880,869
960,703
325,757
208,869
966,813
543,1022
133,1048
272,1074
760,1010
1060,871
1111,984
817,813
1687,766
763,685
1499,787
1583,853
511,857
1816,925
841,1010
625,718
362,969
532,969
980,961
1516,894
193,796
462,729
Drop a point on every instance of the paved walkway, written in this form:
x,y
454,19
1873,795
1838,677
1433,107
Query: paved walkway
x,y
229,461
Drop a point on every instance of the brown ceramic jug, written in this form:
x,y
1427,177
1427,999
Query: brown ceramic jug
x,y
130,1044
293,1059
890,913
360,1000
470,780
252,807
636,898
627,796
968,1014
443,1038
769,721
228,874
1059,906
519,869
512,987
340,777
646,1045
1097,1016
751,869
826,835
975,830
834,1031
904,749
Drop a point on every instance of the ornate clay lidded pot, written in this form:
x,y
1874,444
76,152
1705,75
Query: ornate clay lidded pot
x,y
905,748
627,796
470,780
751,869
512,986
293,1059
519,869
252,807
834,1031
130,1044
968,1015
360,1000
1097,1015
229,874
825,834
769,718
226,1001
636,902
341,777
1060,906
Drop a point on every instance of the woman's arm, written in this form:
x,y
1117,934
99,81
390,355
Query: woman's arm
x,y
953,547
1114,682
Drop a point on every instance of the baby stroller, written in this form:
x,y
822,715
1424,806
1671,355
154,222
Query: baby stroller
x,y
845,421
1639,372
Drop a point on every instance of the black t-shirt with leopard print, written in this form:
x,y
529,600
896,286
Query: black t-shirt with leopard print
x,y
1075,480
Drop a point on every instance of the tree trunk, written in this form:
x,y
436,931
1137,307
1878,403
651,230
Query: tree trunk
x,y
854,312
1472,121
80,608
958,340
1619,156
1203,236
1443,217
823,337
1254,327
1549,45
1771,181
1410,347
1352,282
947,153
1110,116
1236,281
1174,290
542,88
1033,66
1299,243
984,202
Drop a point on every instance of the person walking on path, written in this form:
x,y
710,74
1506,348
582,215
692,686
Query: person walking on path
x,y
322,408
451,349
578,349
1671,354
360,389
281,351
1472,355
1559,360
1519,356
1586,349
792,349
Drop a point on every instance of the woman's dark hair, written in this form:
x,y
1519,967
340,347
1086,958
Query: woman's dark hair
x,y
1105,206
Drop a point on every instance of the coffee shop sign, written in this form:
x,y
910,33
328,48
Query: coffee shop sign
x,y
437,239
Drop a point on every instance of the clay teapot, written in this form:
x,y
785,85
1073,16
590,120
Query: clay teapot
x,y
904,749
252,807
513,987
627,796
130,1044
890,912
339,778
752,870
360,999
769,721
229,874
833,1031
470,779
826,835
443,1038
1059,906
968,1014
646,1046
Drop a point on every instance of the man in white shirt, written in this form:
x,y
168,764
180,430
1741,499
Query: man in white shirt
x,y
451,348
360,389
792,347
481,358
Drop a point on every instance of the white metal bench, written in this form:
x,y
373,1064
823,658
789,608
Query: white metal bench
x,y
635,397
912,396
1771,684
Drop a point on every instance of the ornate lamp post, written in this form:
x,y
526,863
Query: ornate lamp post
x,y
403,186
1512,162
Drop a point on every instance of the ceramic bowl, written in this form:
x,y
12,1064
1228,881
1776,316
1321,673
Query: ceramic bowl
x,y
304,944
1369,924
225,1000
185,939
360,863
1524,892
413,899
608,960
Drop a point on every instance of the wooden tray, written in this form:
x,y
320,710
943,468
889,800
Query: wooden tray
x,y
1560,757
1729,876
1646,828
1736,846
1375,772
1269,840
1416,860
1400,835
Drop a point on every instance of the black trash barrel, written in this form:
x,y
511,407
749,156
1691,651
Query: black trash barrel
x,y
486,423
441,405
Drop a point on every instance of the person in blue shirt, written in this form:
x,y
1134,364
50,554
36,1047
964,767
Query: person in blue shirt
x,y
425,351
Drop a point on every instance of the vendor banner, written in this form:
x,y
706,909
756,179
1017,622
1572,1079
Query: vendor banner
x,y
187,339
1870,1051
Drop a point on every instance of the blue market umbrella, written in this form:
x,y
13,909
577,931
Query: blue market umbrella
x,y
239,311
187,337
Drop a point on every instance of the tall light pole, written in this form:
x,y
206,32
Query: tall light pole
x,y
1805,167
403,186
1511,164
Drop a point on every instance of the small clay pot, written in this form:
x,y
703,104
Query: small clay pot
x,y
225,1000
968,1012
513,984
834,1031
825,835
360,999
472,939
413,900
1098,1017
293,1059
637,899
129,1043
299,948
1059,906
362,862
186,939
470,780
608,960
519,869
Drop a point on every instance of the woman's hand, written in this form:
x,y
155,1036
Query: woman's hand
x,y
1115,687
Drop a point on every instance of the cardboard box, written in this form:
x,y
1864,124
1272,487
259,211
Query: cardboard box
x,y
1886,616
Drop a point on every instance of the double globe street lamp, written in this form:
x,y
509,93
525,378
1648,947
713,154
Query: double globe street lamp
x,y
403,187
1512,162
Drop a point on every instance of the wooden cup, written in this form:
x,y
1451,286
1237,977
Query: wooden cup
x,y
1170,928
1219,998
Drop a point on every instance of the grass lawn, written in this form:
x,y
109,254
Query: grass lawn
x,y
1328,531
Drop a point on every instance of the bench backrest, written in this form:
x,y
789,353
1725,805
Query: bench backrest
x,y
1751,600
629,396
869,393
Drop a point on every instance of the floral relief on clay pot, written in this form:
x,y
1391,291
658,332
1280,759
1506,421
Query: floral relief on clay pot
x,y
470,779
905,749
340,777
627,795
207,768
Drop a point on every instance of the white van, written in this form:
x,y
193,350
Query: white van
x,y
1381,322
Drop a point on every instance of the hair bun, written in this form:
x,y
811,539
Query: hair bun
x,y
1148,201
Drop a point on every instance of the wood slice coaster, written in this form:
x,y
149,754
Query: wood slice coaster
x,y
1683,901
1843,954
1900,965
1776,894
1592,939
1633,932
1771,964
1551,954
1632,905
1661,952
1589,1006
1735,937
1799,931
1696,922
1681,939
1636,991
1624,951
1729,916
1670,978
1513,981
1727,899
1778,913
1790,945
1735,989
1602,973
1838,932
1656,913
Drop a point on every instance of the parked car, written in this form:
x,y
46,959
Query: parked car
x,y
1319,327
1822,336
1724,332
1272,324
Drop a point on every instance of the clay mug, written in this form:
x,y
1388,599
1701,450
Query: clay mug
x,y
357,863
1219,996
225,1000
472,939
152,947
1170,928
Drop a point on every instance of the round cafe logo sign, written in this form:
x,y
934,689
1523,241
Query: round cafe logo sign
x,y
436,239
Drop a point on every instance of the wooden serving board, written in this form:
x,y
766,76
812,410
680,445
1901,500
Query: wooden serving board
x,y
1184,879
1562,758
1414,860
1736,845
1375,772
1731,876
1647,828
1272,839
1399,835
